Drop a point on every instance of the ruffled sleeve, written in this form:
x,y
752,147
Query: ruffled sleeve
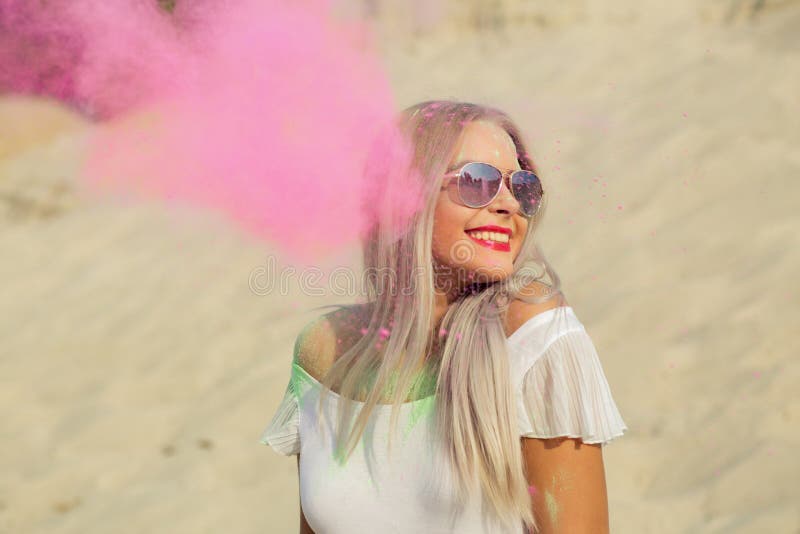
x,y
563,391
283,431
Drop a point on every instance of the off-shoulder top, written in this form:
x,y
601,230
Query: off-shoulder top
x,y
561,390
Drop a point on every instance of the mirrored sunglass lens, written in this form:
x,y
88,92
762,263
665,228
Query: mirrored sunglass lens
x,y
478,184
527,189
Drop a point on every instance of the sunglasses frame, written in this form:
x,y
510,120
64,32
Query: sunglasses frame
x,y
504,176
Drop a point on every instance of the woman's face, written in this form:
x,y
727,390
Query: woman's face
x,y
456,246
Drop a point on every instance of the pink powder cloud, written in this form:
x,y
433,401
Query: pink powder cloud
x,y
259,109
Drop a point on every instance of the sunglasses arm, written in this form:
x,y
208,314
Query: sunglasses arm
x,y
448,178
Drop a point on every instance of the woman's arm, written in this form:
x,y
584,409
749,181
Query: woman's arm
x,y
304,527
569,485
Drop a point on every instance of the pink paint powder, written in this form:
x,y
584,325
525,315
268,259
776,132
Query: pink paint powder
x,y
264,111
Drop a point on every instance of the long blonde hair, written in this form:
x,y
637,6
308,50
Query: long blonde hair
x,y
475,412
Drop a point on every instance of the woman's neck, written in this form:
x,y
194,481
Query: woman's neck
x,y
447,289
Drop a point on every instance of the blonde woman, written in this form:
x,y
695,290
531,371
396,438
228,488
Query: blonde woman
x,y
464,395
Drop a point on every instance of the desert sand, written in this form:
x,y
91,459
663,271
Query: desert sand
x,y
139,364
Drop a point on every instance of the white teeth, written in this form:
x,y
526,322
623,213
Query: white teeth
x,y
490,236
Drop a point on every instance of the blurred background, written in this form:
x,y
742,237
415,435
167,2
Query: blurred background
x,y
140,360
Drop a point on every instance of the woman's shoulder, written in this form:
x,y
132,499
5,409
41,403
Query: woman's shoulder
x,y
327,337
520,311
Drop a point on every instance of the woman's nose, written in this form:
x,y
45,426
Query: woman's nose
x,y
504,201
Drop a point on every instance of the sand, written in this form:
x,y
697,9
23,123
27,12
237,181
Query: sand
x,y
139,362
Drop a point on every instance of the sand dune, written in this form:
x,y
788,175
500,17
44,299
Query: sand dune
x,y
139,361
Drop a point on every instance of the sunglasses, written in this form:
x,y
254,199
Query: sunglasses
x,y
479,183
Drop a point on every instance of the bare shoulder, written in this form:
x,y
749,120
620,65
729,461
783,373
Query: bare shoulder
x,y
313,348
327,337
519,311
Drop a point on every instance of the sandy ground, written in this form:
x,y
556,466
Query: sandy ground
x,y
139,363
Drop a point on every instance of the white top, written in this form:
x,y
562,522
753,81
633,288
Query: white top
x,y
561,391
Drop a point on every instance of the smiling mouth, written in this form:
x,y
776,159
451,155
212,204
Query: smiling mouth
x,y
488,242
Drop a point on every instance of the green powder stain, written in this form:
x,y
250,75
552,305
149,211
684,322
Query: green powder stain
x,y
167,5
564,478
423,408
552,507
424,383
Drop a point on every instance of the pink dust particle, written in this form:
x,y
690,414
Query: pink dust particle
x,y
363,331
532,490
442,332
458,336
619,206
756,374
685,115
384,333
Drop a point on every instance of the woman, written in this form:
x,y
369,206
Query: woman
x,y
494,381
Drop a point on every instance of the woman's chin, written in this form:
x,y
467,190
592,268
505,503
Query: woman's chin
x,y
491,271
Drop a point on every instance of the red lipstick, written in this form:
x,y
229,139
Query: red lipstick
x,y
494,245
